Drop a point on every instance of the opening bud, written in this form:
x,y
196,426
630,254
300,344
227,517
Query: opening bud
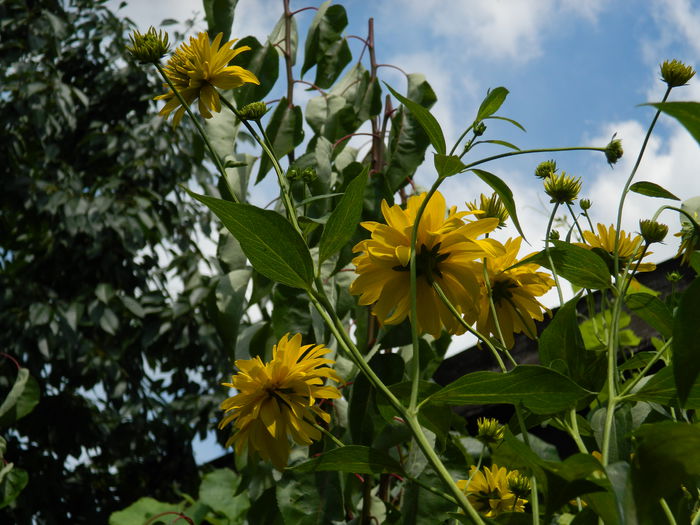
x,y
562,189
293,174
585,204
148,47
613,151
253,111
652,231
491,207
676,73
490,431
309,175
546,169
479,129
554,235
519,484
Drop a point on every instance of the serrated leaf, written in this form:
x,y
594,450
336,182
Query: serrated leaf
x,y
504,192
687,113
219,17
686,341
269,241
447,165
285,131
352,458
541,390
651,310
651,189
344,219
579,266
429,124
492,102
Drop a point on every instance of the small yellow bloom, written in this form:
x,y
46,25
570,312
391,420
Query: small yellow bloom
x,y
489,492
490,207
605,241
277,400
445,247
514,292
196,69
490,431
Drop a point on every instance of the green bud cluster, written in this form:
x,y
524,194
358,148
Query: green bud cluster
x,y
519,485
546,169
308,175
613,151
253,111
491,207
562,189
676,73
148,47
479,129
489,431
652,231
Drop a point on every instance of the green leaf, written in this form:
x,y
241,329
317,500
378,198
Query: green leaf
x,y
579,266
447,165
541,390
503,191
21,400
651,310
561,348
492,103
500,143
230,301
285,131
218,490
277,37
310,499
325,46
426,120
343,221
271,244
686,341
667,455
263,62
514,122
219,17
13,482
332,63
651,189
141,511
687,113
352,458
661,388
133,306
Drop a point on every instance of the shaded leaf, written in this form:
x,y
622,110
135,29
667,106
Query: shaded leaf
x,y
21,399
651,189
492,102
651,310
687,113
141,511
285,132
352,458
686,341
263,62
447,165
504,192
661,388
219,490
429,124
219,17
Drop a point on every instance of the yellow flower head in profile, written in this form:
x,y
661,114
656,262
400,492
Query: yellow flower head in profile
x,y
630,249
277,400
444,248
514,293
489,491
196,69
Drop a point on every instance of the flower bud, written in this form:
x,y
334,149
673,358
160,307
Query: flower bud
x,y
479,129
293,174
491,207
676,73
585,204
554,235
652,231
519,484
253,111
562,189
149,47
613,151
545,169
674,277
490,431
309,175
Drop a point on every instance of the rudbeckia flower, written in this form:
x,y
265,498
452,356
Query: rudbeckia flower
x,y
196,69
514,292
489,492
605,241
277,400
445,246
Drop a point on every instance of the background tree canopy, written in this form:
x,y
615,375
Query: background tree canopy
x,y
87,241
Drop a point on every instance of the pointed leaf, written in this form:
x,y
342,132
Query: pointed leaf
x,y
651,189
352,458
686,341
503,191
492,103
661,388
426,120
652,310
332,63
21,400
323,36
447,165
687,113
219,16
263,62
514,122
500,143
273,247
541,390
285,131
277,37
343,221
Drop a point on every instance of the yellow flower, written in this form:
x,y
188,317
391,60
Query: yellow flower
x,y
489,492
196,69
445,247
513,292
276,400
605,241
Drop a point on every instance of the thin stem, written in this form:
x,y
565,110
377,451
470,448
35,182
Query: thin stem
x,y
326,432
626,188
535,502
492,306
633,382
667,512
549,256
575,432
527,151
464,134
200,129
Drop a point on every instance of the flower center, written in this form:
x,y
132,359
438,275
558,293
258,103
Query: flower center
x,y
501,289
427,262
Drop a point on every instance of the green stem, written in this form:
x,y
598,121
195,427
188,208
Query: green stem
x,y
613,338
626,188
464,134
328,433
667,512
533,481
633,382
200,129
549,256
492,306
527,151
575,432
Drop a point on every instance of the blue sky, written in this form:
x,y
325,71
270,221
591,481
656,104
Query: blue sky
x,y
576,71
